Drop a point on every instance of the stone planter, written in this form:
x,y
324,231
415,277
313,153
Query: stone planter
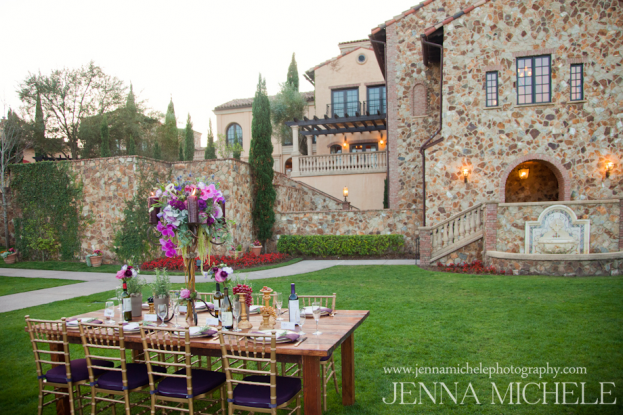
x,y
161,300
256,250
96,261
11,259
234,254
137,305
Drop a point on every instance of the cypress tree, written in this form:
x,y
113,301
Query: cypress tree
x,y
189,138
293,75
39,132
131,146
157,151
210,152
261,161
105,143
181,153
170,139
131,121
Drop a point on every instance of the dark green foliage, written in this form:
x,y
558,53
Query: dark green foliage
x,y
170,142
105,138
340,245
261,161
210,152
48,196
189,141
39,129
135,238
131,146
181,153
293,75
157,152
386,195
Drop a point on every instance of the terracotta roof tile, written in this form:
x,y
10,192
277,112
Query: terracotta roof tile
x,y
248,102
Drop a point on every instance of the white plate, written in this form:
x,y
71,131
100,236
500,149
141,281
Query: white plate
x,y
145,306
254,309
279,332
197,332
309,312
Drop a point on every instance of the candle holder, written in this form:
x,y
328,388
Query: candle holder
x,y
244,322
267,323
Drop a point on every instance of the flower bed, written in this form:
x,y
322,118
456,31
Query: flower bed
x,y
247,260
475,267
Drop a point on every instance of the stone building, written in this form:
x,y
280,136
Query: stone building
x,y
503,102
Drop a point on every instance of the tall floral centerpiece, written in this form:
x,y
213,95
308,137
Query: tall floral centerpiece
x,y
190,216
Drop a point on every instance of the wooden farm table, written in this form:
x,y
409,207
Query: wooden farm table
x,y
336,330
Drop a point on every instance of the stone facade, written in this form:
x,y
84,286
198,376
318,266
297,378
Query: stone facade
x,y
295,196
580,136
465,255
604,225
541,184
562,268
358,222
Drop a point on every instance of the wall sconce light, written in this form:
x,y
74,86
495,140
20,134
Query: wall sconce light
x,y
465,174
609,167
381,142
524,173
345,192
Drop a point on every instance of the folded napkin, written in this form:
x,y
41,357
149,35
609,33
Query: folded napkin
x,y
198,332
133,326
200,305
254,309
281,336
323,310
74,321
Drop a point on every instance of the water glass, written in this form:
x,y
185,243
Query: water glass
x,y
303,316
109,312
235,309
316,309
278,303
162,313
119,293
176,312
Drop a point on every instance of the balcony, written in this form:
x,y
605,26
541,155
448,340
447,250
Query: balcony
x,y
356,109
348,163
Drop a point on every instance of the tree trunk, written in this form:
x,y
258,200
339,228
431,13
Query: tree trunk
x,y
5,218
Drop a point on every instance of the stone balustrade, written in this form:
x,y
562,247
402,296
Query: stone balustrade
x,y
347,163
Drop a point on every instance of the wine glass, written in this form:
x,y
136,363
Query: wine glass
x,y
119,293
176,312
109,312
162,313
235,309
303,316
316,310
278,303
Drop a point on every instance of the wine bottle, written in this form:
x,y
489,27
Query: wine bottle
x,y
227,317
218,297
126,302
293,306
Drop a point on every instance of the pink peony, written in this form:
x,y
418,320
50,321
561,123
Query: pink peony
x,y
185,293
221,275
120,274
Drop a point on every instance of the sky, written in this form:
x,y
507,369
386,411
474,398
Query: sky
x,y
201,53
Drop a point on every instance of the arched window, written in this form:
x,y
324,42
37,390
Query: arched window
x,y
234,134
288,166
336,149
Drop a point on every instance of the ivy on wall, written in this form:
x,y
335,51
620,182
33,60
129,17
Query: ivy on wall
x,y
48,196
135,239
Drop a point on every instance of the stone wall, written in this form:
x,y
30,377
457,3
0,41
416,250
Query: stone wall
x,y
580,136
468,254
565,268
604,217
358,222
541,185
109,182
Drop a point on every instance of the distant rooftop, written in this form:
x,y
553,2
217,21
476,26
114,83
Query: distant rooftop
x,y
248,102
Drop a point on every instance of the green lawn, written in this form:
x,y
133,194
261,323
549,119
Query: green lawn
x,y
108,268
425,319
14,285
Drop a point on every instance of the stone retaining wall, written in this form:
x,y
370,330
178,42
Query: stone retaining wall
x,y
349,222
295,196
561,268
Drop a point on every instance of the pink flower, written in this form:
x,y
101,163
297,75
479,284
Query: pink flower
x,y
168,247
185,293
166,230
209,192
221,275
120,274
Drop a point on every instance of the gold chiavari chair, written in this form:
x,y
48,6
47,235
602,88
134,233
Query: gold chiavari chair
x,y
327,364
120,381
69,375
186,384
259,390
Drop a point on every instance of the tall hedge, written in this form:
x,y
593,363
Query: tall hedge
x,y
340,245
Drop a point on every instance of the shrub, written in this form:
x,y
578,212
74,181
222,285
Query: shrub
x,y
340,245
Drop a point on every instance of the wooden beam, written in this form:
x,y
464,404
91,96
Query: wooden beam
x,y
347,130
333,120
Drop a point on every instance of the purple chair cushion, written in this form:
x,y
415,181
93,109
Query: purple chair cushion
x,y
79,371
137,376
203,381
259,396
324,359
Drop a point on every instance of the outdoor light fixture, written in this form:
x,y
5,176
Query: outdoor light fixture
x,y
609,167
465,174
381,142
524,173
345,192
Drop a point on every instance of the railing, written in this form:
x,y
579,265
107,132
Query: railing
x,y
353,108
348,163
457,231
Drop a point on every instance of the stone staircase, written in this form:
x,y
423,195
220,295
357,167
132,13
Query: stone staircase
x,y
452,234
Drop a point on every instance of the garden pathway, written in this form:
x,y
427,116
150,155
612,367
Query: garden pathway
x,y
97,282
